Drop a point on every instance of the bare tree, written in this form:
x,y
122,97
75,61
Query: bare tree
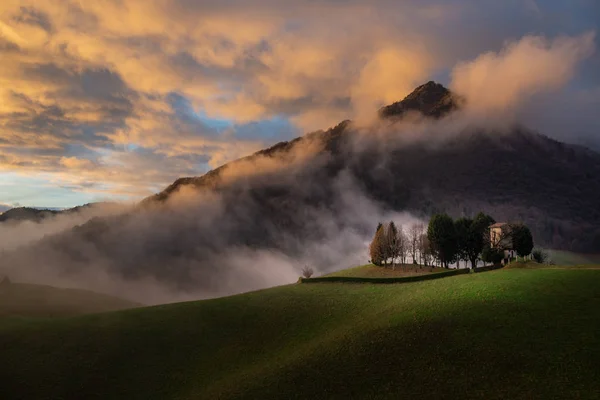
x,y
307,272
402,245
392,242
414,235
425,250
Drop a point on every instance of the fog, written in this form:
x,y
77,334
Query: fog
x,y
204,244
14,234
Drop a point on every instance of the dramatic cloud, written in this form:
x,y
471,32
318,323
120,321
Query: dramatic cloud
x,y
121,97
500,82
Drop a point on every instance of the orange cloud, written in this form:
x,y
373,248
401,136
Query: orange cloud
x,y
86,87
501,81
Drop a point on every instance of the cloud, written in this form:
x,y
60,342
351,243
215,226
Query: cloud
x,y
117,82
388,76
503,81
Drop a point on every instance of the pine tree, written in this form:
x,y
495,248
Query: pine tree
x,y
377,247
522,240
392,241
442,236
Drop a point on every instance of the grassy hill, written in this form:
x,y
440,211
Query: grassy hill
x,y
514,333
39,301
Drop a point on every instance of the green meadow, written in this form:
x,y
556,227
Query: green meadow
x,y
517,333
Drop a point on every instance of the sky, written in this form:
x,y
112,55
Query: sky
x,y
115,99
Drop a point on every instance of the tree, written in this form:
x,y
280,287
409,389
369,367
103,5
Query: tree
x,y
483,222
522,240
392,241
307,272
540,256
377,247
492,255
442,236
477,237
379,225
402,245
425,249
414,233
462,227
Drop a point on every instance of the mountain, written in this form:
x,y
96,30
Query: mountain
x,y
431,100
521,175
19,214
26,214
317,199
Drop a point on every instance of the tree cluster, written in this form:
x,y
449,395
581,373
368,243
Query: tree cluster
x,y
392,245
447,241
469,239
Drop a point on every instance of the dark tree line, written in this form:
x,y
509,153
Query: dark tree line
x,y
469,239
447,241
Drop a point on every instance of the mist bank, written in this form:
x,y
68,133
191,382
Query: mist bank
x,y
26,229
203,243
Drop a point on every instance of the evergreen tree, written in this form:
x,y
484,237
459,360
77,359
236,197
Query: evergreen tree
x,y
377,247
522,240
478,237
379,225
392,241
442,236
491,255
462,227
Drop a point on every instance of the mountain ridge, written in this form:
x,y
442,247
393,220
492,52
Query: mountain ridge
x,y
38,214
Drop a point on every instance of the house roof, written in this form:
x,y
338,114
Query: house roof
x,y
498,225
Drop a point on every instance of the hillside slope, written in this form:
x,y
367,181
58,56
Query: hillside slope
x,y
39,301
504,334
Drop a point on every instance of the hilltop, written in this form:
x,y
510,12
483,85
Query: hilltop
x,y
515,333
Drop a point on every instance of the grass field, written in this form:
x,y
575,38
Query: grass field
x,y
372,271
514,333
19,300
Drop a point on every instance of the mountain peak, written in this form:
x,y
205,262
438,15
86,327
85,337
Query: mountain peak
x,y
430,99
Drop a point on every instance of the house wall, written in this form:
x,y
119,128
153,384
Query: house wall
x,y
495,236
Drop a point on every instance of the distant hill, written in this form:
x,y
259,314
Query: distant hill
x,y
507,334
40,301
26,214
19,214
